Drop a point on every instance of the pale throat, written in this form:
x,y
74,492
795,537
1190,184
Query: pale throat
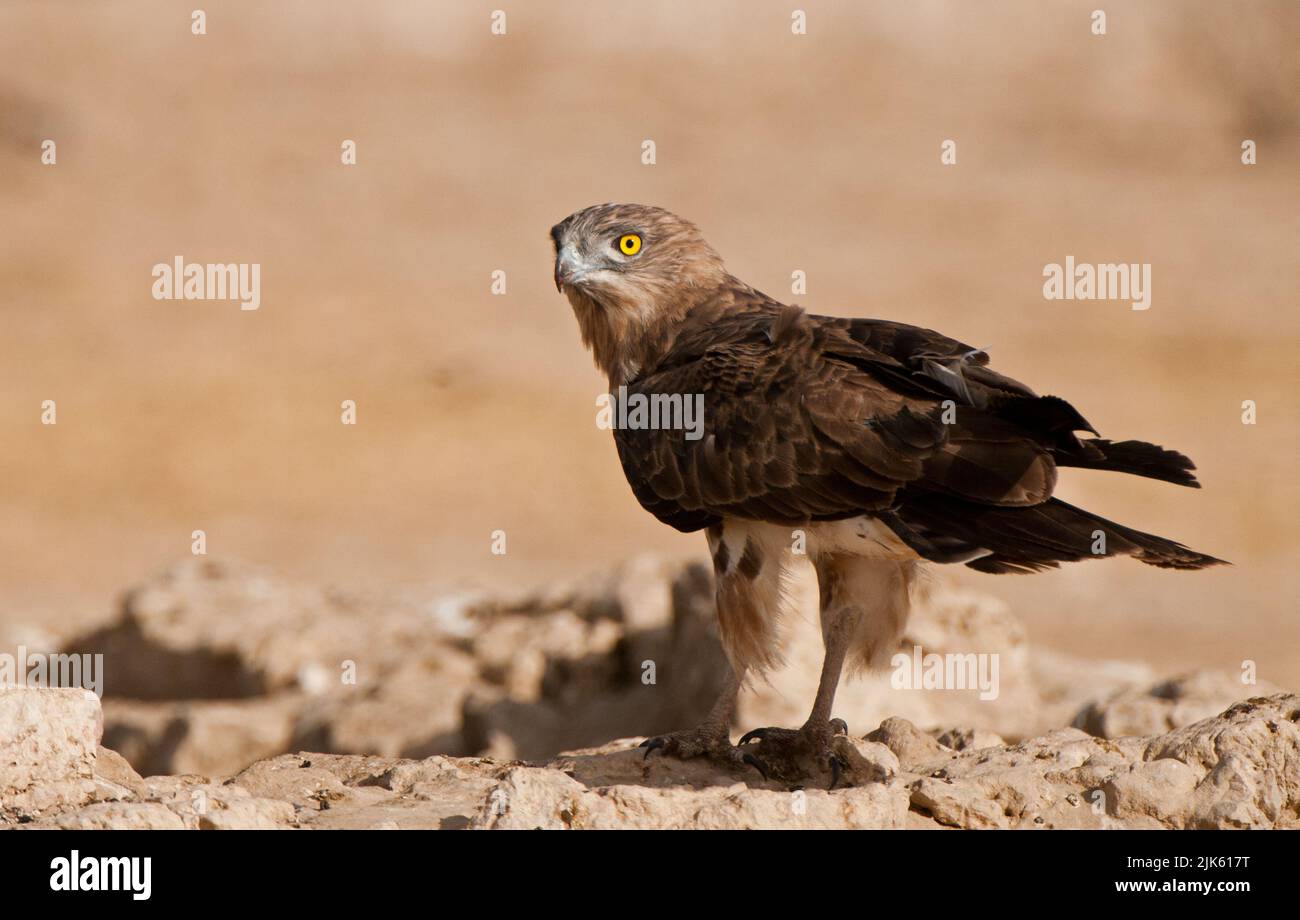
x,y
631,327
618,341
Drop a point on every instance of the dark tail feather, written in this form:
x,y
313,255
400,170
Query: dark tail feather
x,y
1136,457
1026,539
1029,539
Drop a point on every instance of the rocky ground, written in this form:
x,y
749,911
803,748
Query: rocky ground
x,y
496,712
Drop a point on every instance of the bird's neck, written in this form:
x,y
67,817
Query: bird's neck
x,y
628,342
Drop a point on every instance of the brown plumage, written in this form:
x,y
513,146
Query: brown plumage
x,y
882,444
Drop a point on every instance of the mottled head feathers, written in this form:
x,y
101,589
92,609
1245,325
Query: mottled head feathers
x,y
630,272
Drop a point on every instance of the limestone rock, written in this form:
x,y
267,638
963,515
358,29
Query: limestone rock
x,y
48,739
134,816
205,629
215,665
48,735
206,737
1154,708
447,713
1238,769
915,750
529,797
967,739
1157,790
1248,759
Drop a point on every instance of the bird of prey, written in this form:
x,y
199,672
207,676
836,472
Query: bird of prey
x,y
873,446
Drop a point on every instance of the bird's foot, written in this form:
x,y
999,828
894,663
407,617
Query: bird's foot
x,y
800,755
702,741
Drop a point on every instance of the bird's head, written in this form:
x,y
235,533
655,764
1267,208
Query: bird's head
x,y
628,270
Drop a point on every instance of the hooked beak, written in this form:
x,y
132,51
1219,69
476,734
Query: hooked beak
x,y
567,268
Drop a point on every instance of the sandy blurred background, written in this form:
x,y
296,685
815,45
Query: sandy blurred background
x,y
476,412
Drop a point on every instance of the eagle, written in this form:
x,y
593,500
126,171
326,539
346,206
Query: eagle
x,y
872,447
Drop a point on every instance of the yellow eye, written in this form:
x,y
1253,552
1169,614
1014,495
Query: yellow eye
x,y
629,244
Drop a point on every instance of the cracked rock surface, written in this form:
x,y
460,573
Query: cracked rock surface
x,y
1238,769
236,700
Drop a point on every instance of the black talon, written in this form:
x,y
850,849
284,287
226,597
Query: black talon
x,y
839,727
756,764
651,744
759,733
836,766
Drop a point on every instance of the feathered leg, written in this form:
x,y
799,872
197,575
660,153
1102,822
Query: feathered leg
x,y
747,569
864,607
